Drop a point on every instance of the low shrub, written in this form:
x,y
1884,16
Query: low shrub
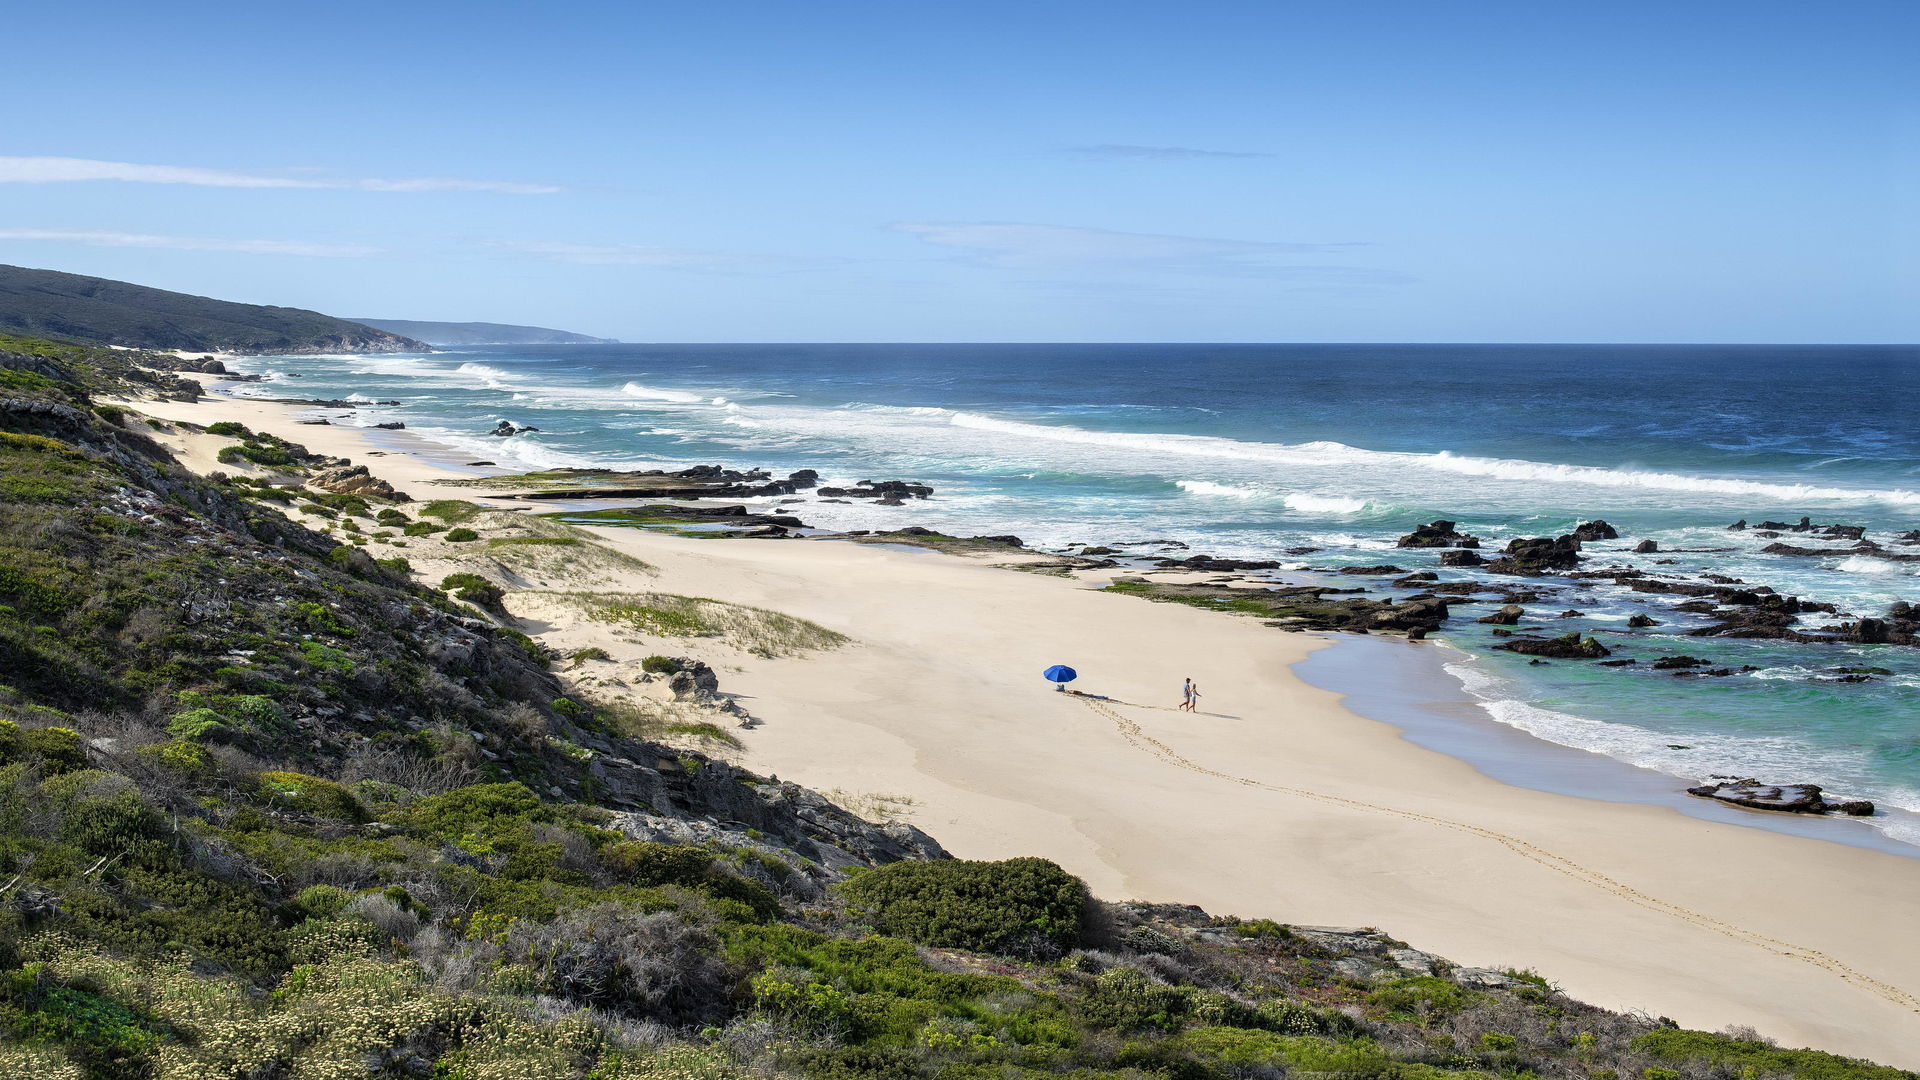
x,y
311,795
1020,907
461,536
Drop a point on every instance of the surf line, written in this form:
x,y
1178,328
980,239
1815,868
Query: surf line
x,y
1133,733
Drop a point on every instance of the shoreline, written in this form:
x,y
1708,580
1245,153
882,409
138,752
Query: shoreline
x,y
1433,709
1451,723
936,700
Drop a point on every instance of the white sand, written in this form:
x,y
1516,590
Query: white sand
x,y
1274,801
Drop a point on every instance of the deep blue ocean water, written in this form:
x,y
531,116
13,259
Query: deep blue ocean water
x,y
1245,450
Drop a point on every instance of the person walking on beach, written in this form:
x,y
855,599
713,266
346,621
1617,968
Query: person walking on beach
x,y
1189,696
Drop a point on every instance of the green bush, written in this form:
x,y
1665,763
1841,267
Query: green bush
x,y
1726,1055
53,749
389,516
228,429
1422,997
474,589
311,795
196,724
316,902
1024,907
422,528
659,665
461,536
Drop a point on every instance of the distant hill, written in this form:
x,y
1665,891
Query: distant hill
x,y
72,307
484,333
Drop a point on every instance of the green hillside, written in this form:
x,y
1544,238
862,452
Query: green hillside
x,y
483,333
73,307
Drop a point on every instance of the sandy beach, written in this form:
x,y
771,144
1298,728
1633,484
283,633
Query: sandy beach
x,y
1272,801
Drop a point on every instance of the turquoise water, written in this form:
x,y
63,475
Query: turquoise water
x,y
1248,450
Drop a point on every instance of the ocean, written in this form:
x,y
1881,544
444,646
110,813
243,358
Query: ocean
x,y
1245,451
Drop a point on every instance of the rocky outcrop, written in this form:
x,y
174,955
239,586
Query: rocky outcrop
x,y
1461,558
1594,530
356,480
885,492
1565,647
1782,798
1537,555
1439,534
1508,615
507,428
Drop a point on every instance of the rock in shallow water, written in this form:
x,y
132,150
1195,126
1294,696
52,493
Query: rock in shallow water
x,y
1784,798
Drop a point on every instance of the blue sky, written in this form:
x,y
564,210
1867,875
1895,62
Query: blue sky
x,y
1036,171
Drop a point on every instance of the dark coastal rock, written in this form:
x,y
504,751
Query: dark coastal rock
x,y
507,428
1640,622
1506,616
887,492
1682,661
1461,558
1782,798
1382,568
1596,529
805,478
1415,616
1646,547
1738,525
1571,613
392,425
1218,566
1566,647
1439,534
1537,555
1009,541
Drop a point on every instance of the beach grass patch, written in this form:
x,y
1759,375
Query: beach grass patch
x,y
756,630
448,511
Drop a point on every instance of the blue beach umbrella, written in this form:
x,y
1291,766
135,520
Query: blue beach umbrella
x,y
1060,675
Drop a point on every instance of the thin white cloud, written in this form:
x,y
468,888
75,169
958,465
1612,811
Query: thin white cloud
x,y
1026,246
666,258
626,255
59,170
1160,153
103,238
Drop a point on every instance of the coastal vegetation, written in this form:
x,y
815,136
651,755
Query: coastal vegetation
x,y
270,808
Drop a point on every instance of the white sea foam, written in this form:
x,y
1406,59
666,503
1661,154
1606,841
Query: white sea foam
x,y
1308,503
492,377
649,393
1719,755
1863,564
1224,491
1334,453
